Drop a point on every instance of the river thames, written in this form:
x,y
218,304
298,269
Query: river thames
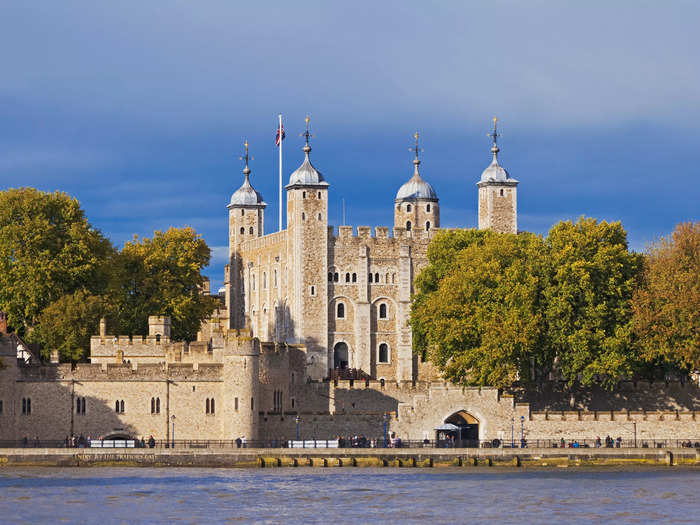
x,y
305,495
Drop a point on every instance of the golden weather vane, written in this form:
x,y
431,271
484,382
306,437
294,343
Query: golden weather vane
x,y
415,148
495,133
306,134
246,158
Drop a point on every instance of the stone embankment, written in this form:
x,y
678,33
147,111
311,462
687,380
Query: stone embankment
x,y
420,457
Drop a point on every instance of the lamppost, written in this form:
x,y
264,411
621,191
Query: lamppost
x,y
522,431
512,432
385,417
298,420
173,420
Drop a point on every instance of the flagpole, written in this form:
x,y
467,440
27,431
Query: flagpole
x,y
279,130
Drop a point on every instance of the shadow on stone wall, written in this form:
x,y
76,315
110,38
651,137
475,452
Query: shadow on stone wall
x,y
628,395
57,401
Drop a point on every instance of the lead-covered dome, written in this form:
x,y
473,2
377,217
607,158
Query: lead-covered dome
x,y
306,174
246,195
416,187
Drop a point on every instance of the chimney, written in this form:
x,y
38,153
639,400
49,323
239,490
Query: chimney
x,y
3,323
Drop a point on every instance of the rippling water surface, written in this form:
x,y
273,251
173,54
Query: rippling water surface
x,y
133,495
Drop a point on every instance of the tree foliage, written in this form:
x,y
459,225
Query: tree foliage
x,y
478,310
68,323
59,275
491,307
666,307
162,276
47,250
592,278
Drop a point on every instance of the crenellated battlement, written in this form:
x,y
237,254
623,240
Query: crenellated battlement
x,y
381,233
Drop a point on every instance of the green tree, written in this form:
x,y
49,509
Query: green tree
x,y
478,308
67,324
592,276
47,250
162,276
666,307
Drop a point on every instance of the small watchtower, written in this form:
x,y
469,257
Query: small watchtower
x,y
498,200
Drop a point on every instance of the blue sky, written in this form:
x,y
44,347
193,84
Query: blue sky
x,y
139,109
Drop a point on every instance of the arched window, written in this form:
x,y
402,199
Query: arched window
x,y
393,278
408,207
264,280
157,405
340,310
501,193
303,216
427,208
319,216
207,406
153,405
318,195
250,230
242,213
330,277
383,355
347,277
313,290
303,195
116,406
427,226
371,277
275,278
382,311
354,277
408,226
213,406
335,277
376,277
157,338
242,230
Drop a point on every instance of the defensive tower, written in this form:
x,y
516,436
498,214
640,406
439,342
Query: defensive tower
x,y
416,203
246,216
498,208
307,249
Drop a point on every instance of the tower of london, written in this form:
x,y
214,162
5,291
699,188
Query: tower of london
x,y
343,294
313,337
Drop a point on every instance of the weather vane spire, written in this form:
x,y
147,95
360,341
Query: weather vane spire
x,y
246,158
494,136
307,135
416,150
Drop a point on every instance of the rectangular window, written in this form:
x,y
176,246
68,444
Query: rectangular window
x,y
252,403
235,404
0,407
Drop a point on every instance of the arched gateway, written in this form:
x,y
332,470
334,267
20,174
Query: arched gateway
x,y
340,356
465,432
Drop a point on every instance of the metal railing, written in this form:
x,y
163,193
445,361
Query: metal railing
x,y
369,443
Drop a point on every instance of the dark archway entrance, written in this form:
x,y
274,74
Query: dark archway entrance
x,y
467,432
340,356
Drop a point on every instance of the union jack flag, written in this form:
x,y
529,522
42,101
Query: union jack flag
x,y
277,136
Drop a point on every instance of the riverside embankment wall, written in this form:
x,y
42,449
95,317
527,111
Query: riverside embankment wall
x,y
420,457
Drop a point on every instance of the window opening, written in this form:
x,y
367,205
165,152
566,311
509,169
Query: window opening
x,y
382,311
408,226
383,353
341,311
